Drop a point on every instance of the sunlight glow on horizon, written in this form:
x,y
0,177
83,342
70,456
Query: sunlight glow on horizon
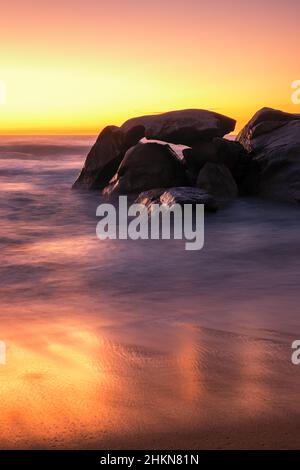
x,y
75,70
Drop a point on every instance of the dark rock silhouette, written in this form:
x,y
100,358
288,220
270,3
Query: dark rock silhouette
x,y
222,151
217,180
132,137
273,137
177,127
146,166
197,156
106,155
263,160
266,120
240,163
183,127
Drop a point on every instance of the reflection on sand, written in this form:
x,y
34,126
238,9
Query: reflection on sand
x,y
69,382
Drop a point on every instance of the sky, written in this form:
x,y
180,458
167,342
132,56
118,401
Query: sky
x,y
75,66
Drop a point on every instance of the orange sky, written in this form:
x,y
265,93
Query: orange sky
x,y
75,66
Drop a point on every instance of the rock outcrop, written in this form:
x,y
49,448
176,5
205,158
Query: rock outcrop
x,y
106,155
183,127
273,137
105,159
146,166
264,159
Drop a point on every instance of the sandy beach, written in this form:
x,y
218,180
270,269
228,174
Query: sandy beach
x,y
70,385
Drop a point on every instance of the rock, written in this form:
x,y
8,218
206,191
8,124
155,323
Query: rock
x,y
183,127
226,152
149,197
229,152
179,195
133,136
218,150
187,195
217,180
102,160
177,127
264,122
196,157
241,164
147,166
273,137
106,155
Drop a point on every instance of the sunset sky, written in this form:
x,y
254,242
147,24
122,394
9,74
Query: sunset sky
x,y
73,66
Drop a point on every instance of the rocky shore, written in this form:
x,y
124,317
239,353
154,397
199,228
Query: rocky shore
x,y
184,156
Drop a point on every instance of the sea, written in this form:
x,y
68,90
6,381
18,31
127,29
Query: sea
x,y
122,343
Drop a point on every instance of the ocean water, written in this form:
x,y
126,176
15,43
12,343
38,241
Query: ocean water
x,y
117,343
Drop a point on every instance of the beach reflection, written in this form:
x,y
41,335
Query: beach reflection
x,y
71,382
66,381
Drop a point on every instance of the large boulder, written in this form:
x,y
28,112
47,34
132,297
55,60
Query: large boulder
x,y
273,137
147,166
183,127
225,152
106,155
218,181
258,132
195,157
179,195
240,162
217,150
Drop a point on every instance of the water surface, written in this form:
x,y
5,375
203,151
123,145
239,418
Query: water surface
x,y
125,343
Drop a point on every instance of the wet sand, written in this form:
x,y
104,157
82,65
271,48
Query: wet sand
x,y
69,384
